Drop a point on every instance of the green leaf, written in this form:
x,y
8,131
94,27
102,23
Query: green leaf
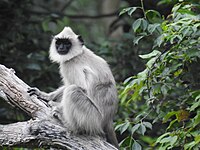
x,y
129,10
192,53
166,140
153,27
137,24
160,40
153,16
148,125
137,39
119,126
195,105
144,24
134,128
124,127
173,140
176,39
196,94
136,91
164,90
186,31
142,75
169,115
142,129
123,98
128,79
171,123
175,8
150,55
170,139
196,119
178,72
197,98
136,146
125,141
189,146
151,62
186,11
197,139
162,136
123,11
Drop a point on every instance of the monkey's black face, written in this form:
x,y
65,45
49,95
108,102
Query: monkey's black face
x,y
63,45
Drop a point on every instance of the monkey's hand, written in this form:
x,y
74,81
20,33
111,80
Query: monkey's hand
x,y
40,95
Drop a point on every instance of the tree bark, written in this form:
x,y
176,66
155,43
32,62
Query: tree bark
x,y
44,129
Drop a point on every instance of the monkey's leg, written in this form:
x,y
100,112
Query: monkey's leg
x,y
79,112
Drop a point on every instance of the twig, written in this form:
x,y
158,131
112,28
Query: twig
x,y
66,5
142,6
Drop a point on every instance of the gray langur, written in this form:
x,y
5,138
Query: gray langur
x,y
88,99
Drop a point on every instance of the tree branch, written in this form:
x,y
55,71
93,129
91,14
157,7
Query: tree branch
x,y
43,130
66,5
59,14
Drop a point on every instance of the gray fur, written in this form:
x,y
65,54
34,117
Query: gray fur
x,y
88,99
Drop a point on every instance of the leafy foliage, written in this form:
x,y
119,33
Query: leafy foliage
x,y
167,92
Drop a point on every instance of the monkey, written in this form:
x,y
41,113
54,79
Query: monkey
x,y
88,98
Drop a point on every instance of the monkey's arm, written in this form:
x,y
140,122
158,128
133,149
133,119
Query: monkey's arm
x,y
53,96
93,103
88,78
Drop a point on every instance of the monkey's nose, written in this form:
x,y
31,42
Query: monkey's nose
x,y
62,50
61,46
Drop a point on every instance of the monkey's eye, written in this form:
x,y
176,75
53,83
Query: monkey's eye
x,y
59,41
63,41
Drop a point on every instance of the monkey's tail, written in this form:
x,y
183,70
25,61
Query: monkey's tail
x,y
111,136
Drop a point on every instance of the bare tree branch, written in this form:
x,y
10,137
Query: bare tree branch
x,y
43,130
67,5
59,14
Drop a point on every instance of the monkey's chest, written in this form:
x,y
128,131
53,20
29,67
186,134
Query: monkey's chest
x,y
74,75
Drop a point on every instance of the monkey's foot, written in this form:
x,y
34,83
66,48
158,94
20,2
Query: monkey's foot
x,y
56,113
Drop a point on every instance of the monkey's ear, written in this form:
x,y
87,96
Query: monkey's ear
x,y
80,39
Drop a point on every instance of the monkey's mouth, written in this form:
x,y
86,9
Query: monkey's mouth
x,y
62,51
